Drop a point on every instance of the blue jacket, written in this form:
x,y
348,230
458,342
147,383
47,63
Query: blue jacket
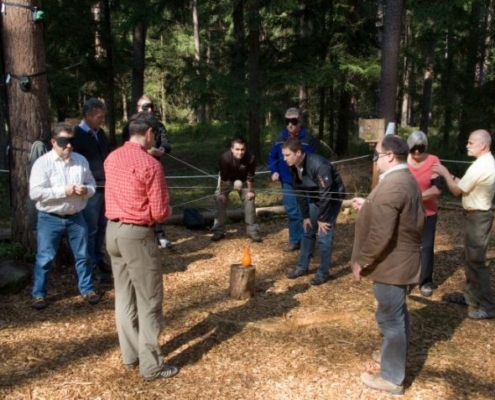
x,y
276,161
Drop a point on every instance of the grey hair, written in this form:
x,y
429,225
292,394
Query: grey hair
x,y
417,138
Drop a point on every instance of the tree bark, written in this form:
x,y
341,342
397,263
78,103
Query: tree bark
x,y
201,107
109,74
138,63
238,68
29,112
390,60
427,86
241,282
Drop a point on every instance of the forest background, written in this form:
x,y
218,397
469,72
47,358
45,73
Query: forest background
x,y
225,68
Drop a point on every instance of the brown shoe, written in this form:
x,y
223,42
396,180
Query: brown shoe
x,y
376,356
375,381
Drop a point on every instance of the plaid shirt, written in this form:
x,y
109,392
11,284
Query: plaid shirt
x,y
136,191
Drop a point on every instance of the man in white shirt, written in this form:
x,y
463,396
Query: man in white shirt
x,y
477,188
61,183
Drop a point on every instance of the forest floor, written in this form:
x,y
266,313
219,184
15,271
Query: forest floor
x,y
289,341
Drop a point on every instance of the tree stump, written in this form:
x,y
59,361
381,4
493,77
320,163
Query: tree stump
x,y
241,281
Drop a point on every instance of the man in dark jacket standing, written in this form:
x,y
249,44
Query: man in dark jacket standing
x,y
320,191
280,172
91,142
387,248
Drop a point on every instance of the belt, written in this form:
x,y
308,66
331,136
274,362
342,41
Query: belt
x,y
116,220
475,211
60,216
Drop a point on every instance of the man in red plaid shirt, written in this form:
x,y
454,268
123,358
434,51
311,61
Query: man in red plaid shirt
x,y
136,196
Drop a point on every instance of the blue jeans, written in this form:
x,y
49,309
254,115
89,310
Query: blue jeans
x,y
325,240
50,229
392,317
294,219
94,215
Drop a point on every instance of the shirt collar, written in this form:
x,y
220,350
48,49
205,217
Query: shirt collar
x,y
393,169
85,127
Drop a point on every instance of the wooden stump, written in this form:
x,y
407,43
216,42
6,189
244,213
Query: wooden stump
x,y
241,281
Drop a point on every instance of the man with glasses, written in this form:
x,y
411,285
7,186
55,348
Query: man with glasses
x,y
137,198
320,193
477,188
280,172
387,249
161,147
61,183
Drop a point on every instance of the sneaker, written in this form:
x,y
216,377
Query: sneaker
x,y
375,381
376,356
92,298
164,243
291,247
296,273
481,314
318,280
39,303
217,236
167,371
426,290
255,237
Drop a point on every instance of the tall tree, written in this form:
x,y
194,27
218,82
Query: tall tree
x,y
29,113
390,60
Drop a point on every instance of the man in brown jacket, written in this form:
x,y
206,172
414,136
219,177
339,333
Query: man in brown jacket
x,y
387,248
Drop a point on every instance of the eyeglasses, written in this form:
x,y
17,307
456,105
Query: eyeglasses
x,y
420,148
146,106
64,141
377,154
293,121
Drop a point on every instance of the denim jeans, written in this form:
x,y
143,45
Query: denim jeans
x,y
325,240
50,229
294,219
392,317
94,215
427,250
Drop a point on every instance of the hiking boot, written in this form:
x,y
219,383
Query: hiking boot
x,y
376,356
481,314
92,298
427,290
375,381
39,303
319,280
217,236
296,273
291,247
167,371
255,237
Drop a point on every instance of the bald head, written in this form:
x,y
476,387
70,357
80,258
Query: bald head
x,y
479,143
484,136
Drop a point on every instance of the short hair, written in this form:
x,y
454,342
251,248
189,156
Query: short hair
x,y
143,100
417,138
396,145
60,127
140,122
293,111
293,145
238,140
91,105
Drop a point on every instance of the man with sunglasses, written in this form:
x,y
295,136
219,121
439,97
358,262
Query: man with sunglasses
x,y
387,249
161,147
477,188
280,172
61,183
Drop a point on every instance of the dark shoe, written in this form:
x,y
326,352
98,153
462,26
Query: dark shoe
x,y
481,314
427,290
456,298
296,273
217,236
131,366
167,371
104,267
39,303
291,247
255,237
162,241
375,381
376,356
318,280
92,298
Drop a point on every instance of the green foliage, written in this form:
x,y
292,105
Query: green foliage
x,y
13,251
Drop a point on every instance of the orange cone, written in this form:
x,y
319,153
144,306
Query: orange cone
x,y
246,260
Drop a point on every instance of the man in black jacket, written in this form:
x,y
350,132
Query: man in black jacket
x,y
91,142
320,191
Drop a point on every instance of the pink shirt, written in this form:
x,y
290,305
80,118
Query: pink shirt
x,y
136,190
423,174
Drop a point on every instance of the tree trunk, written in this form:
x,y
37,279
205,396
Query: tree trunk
x,y
138,63
447,90
404,117
238,67
390,60
427,86
303,88
200,109
29,112
109,74
254,77
342,140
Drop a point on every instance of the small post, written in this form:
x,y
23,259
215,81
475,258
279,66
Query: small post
x,y
241,281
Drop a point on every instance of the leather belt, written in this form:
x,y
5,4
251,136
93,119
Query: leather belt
x,y
132,223
60,216
474,211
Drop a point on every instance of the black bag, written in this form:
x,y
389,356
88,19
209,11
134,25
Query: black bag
x,y
192,219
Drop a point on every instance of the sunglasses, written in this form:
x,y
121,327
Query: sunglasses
x,y
293,121
64,141
420,148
